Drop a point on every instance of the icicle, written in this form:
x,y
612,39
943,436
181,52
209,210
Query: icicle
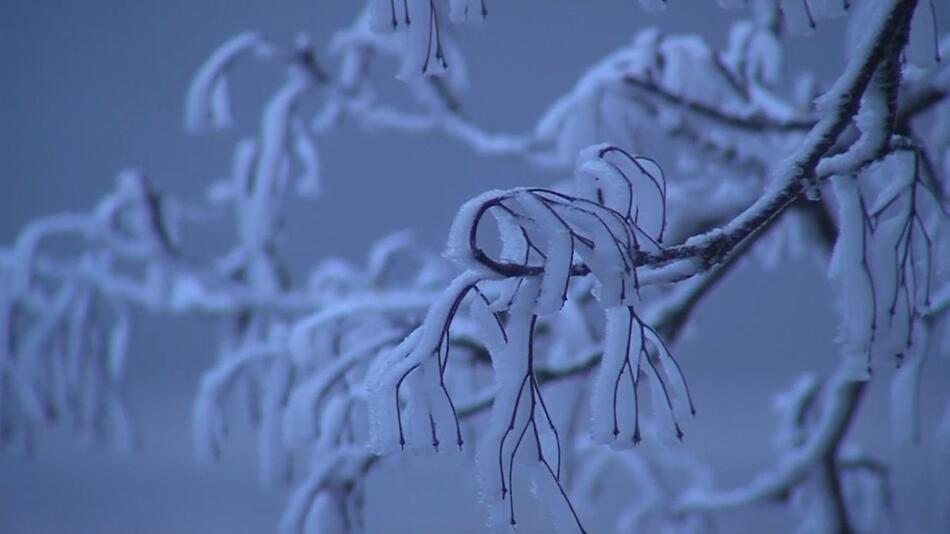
x,y
382,402
847,269
384,385
673,378
426,40
606,260
621,344
511,391
557,272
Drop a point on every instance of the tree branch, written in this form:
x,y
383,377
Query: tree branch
x,y
704,251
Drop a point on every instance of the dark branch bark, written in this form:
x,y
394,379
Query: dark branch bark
x,y
751,123
713,247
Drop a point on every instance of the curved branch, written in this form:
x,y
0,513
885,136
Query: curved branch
x,y
842,103
840,404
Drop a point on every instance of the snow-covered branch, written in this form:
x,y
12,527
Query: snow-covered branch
x,y
555,306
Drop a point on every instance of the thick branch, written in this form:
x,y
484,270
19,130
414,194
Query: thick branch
x,y
706,250
840,404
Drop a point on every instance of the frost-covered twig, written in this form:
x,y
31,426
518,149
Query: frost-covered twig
x,y
819,449
841,104
581,292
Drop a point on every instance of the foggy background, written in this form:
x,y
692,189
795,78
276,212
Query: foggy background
x,y
89,88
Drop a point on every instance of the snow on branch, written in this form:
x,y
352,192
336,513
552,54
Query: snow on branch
x,y
550,236
555,339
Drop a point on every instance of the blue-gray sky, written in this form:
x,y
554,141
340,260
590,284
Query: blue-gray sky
x,y
89,88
